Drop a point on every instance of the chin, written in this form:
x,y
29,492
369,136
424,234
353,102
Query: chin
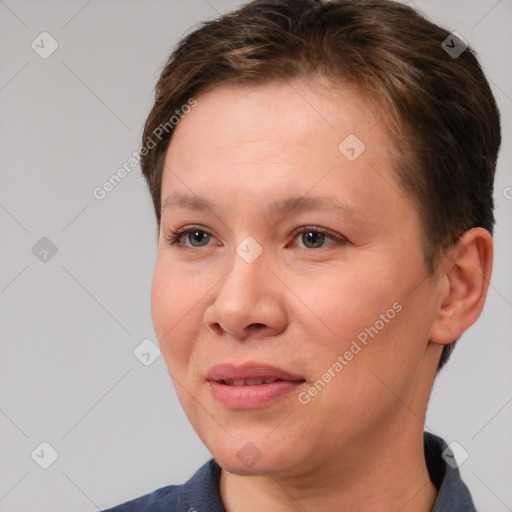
x,y
246,458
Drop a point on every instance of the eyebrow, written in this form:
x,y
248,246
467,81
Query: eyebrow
x,y
297,204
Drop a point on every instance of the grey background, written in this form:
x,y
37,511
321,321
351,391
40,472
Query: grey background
x,y
69,325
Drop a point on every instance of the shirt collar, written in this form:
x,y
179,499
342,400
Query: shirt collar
x,y
452,493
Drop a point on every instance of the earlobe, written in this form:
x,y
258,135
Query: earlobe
x,y
464,283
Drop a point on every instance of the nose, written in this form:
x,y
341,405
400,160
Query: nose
x,y
247,302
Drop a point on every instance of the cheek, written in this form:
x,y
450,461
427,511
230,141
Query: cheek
x,y
345,301
175,311
368,316
381,333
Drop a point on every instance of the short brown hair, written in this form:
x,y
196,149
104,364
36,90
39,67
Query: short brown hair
x,y
440,108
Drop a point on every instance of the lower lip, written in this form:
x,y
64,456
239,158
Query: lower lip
x,y
252,397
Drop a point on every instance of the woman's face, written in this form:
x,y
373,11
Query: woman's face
x,y
293,308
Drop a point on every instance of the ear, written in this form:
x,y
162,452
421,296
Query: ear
x,y
464,274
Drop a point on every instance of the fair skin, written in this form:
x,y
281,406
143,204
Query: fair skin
x,y
357,444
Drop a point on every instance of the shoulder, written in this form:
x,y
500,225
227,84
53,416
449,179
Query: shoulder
x,y
199,493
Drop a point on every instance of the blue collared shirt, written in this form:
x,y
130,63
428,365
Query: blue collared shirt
x,y
201,492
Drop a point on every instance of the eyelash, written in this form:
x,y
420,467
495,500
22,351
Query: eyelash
x,y
173,239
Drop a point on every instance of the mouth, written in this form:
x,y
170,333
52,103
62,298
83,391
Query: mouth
x,y
251,385
250,374
250,382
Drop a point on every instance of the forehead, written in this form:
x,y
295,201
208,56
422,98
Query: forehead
x,y
276,140
285,108
279,123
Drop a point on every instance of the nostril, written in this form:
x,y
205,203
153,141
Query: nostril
x,y
217,329
220,330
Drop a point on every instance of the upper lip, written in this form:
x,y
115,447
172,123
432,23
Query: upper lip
x,y
229,371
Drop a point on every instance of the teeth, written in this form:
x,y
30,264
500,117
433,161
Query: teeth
x,y
253,382
257,381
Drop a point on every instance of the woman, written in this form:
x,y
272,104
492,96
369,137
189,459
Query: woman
x,y
322,176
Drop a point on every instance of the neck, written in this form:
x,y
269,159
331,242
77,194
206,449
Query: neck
x,y
386,474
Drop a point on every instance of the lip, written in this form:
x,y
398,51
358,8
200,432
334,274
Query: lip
x,y
230,371
251,396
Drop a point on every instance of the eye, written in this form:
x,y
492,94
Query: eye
x,y
314,237
189,237
311,237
